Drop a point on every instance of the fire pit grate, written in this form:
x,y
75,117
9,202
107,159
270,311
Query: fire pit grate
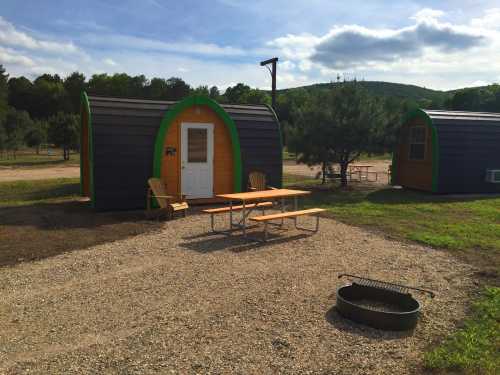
x,y
379,304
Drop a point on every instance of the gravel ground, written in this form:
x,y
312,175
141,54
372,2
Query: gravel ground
x,y
180,301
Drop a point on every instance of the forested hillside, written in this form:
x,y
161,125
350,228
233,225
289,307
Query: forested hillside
x,y
46,109
425,97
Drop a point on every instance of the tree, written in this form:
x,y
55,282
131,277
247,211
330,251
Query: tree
x,y
64,131
201,90
74,84
337,126
214,93
15,126
4,92
36,135
177,89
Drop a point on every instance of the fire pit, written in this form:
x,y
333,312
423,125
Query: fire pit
x,y
379,304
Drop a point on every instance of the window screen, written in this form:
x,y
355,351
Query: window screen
x,y
197,145
417,143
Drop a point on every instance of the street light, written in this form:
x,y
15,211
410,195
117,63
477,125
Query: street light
x,y
272,70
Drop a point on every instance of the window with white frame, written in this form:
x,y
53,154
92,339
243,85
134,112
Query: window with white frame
x,y
417,143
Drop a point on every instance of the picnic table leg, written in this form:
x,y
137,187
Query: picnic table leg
x,y
282,210
295,208
244,221
230,217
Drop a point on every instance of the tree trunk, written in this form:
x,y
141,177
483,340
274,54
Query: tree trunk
x,y
66,153
38,149
323,170
343,174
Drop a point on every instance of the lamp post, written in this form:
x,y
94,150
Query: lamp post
x,y
272,70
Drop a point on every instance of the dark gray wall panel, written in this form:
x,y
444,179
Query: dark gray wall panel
x,y
467,148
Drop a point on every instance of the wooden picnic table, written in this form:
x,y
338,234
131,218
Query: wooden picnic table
x,y
258,196
360,168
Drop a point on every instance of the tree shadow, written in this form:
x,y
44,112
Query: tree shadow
x,y
342,324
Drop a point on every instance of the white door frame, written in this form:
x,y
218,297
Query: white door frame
x,y
206,184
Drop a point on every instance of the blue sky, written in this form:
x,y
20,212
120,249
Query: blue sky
x,y
442,45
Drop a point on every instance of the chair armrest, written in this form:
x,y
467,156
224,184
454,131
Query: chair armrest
x,y
252,188
272,188
163,196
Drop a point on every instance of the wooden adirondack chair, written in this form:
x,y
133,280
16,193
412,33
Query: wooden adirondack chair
x,y
257,182
169,204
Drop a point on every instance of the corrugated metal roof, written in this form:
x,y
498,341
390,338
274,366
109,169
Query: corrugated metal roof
x,y
440,117
163,105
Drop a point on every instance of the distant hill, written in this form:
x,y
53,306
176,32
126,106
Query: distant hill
x,y
412,92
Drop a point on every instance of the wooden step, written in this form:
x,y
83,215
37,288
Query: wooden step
x,y
283,215
236,208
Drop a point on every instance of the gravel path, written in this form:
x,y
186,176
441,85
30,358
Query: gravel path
x,y
179,301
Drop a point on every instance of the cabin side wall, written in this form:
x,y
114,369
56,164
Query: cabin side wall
x,y
223,155
123,136
414,174
467,150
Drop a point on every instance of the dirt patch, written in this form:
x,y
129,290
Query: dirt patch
x,y
43,230
8,174
378,166
181,301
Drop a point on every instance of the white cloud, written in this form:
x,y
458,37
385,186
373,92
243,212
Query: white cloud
x,y
10,36
431,52
427,14
145,44
9,56
109,62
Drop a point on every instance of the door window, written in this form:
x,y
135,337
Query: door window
x,y
197,145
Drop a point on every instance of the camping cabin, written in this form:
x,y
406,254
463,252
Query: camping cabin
x,y
196,146
449,152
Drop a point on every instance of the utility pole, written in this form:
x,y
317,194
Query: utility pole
x,y
272,70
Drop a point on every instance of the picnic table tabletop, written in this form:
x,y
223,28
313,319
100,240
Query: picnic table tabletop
x,y
360,166
263,194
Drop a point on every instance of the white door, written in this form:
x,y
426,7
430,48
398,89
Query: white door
x,y
197,155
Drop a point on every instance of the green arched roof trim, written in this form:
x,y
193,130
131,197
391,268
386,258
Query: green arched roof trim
x,y
85,106
173,112
435,143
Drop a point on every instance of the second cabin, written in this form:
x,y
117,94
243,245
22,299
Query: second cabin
x,y
449,152
196,146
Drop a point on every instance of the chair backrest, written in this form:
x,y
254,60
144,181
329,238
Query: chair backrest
x,y
257,180
159,189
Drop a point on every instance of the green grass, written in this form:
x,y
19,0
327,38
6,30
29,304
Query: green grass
x,y
439,221
288,155
37,191
29,158
474,349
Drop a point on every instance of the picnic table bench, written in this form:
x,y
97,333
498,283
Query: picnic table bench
x,y
261,199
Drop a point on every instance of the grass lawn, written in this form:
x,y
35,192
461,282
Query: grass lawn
x,y
466,226
29,158
455,223
37,191
476,347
